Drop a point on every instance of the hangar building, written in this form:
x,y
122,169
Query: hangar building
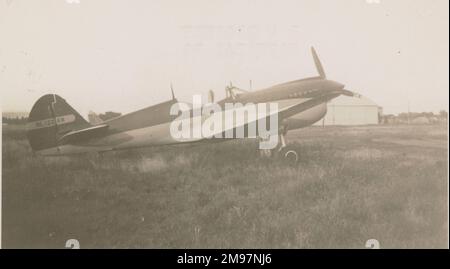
x,y
345,110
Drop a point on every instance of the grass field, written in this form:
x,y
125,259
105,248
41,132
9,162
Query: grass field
x,y
351,184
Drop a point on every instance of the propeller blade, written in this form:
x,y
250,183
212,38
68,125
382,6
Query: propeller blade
x,y
318,64
173,94
211,96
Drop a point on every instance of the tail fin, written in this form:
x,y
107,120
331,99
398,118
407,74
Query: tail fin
x,y
319,66
50,118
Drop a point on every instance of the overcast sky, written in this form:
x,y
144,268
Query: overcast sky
x,y
122,55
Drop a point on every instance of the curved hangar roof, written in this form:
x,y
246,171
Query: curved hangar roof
x,y
352,101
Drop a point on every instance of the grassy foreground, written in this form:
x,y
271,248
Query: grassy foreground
x,y
351,184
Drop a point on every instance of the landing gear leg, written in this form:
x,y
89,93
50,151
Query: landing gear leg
x,y
283,142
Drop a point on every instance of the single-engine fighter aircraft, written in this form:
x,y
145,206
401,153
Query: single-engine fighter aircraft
x,y
55,128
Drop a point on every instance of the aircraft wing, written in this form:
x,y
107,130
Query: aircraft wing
x,y
298,108
283,113
83,134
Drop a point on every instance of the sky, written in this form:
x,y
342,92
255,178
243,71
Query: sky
x,y
117,55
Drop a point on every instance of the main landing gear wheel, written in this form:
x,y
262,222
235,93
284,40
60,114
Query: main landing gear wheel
x,y
291,156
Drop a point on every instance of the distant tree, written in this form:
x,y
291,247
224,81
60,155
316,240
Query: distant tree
x,y
109,115
443,114
426,114
404,116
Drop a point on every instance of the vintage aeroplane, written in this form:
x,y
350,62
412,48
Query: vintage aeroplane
x,y
55,128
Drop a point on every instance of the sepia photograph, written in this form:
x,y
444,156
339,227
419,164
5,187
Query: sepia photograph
x,y
216,124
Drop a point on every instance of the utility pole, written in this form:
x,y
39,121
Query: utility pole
x,y
409,111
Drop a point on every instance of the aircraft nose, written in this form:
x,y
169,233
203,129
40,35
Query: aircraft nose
x,y
335,85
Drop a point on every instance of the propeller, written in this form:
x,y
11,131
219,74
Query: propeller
x,y
232,90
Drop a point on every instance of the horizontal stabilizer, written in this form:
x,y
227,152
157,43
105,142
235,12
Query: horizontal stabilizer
x,y
84,134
